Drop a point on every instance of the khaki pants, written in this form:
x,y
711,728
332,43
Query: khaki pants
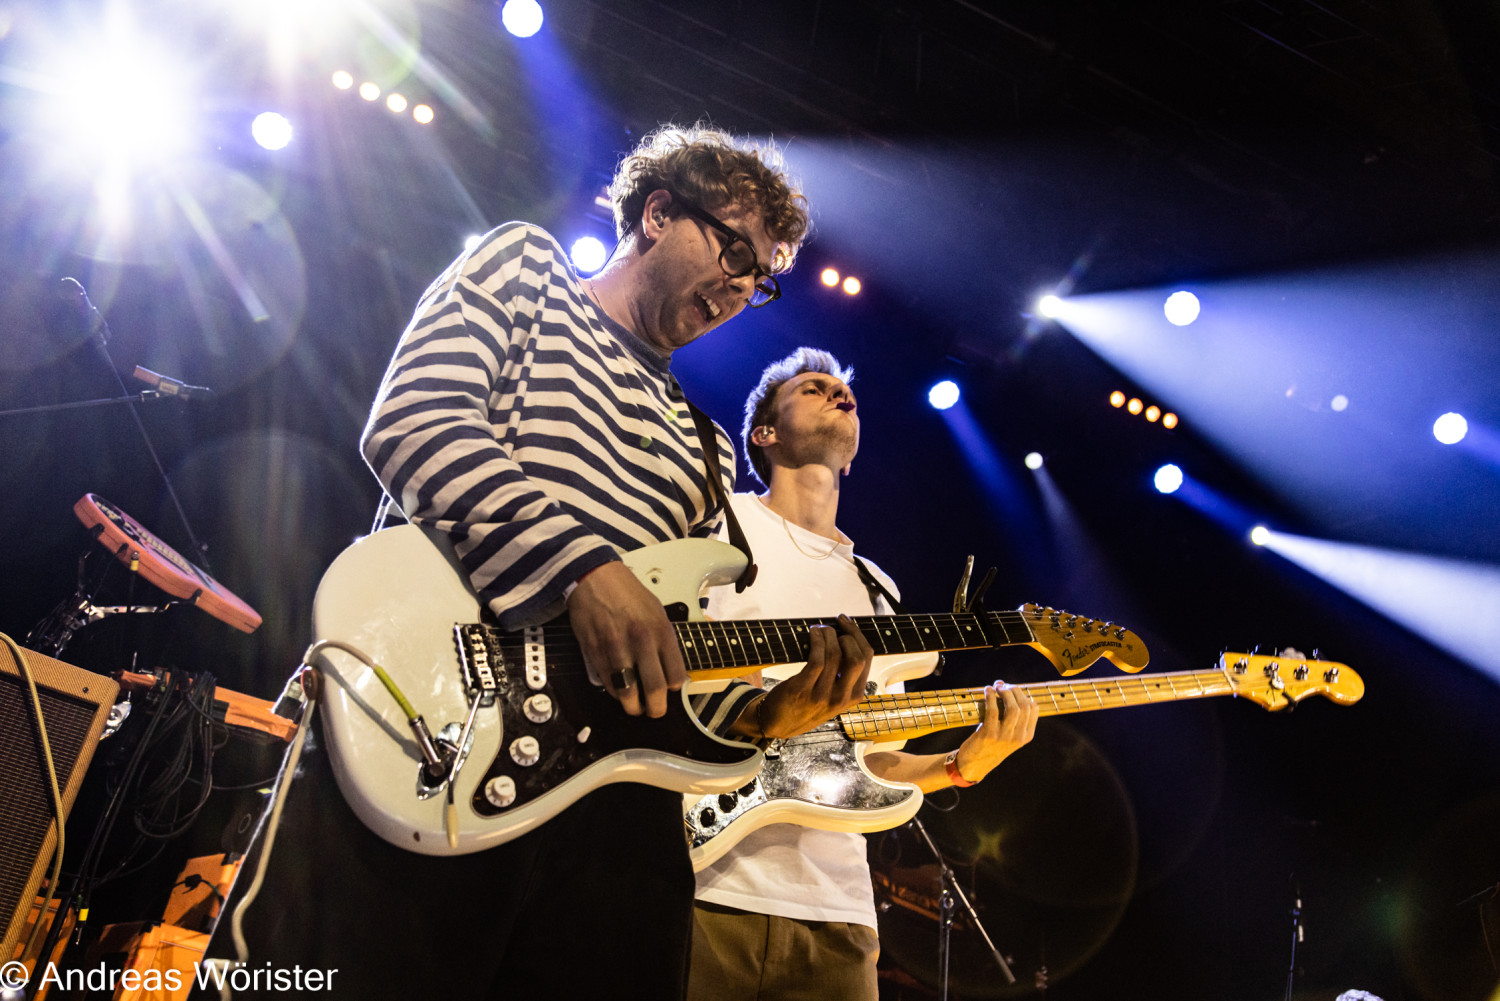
x,y
740,956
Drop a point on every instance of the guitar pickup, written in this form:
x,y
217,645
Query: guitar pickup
x,y
481,660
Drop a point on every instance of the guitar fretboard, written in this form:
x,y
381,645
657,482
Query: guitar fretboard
x,y
715,646
902,717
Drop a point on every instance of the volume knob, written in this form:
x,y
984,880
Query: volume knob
x,y
538,708
525,750
500,791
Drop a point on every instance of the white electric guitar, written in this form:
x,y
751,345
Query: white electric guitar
x,y
819,779
522,731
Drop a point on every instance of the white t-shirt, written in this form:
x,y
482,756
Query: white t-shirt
x,y
785,869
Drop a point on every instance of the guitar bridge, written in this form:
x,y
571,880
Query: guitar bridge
x,y
481,659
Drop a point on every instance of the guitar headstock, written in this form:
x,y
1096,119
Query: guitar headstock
x,y
1275,682
1072,642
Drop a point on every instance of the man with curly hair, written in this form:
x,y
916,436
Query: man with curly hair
x,y
532,417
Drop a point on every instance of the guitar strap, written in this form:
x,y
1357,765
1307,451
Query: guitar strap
x,y
708,440
873,585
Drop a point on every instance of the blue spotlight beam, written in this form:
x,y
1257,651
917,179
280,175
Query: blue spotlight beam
x,y
1451,603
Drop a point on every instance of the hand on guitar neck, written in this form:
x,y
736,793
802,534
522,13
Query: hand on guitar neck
x,y
838,667
629,645
1009,723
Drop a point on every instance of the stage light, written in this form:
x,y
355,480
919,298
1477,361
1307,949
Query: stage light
x,y
830,277
1135,405
1033,460
396,103
1049,306
1260,535
1339,403
118,100
1117,399
1450,428
422,113
522,18
271,130
1169,420
342,79
943,395
1153,413
369,91
1168,478
587,254
1181,308
851,285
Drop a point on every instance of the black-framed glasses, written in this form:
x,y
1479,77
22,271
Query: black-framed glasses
x,y
738,258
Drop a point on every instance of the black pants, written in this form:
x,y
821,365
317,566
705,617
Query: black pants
x,y
596,903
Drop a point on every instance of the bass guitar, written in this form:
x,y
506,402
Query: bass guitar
x,y
523,732
820,780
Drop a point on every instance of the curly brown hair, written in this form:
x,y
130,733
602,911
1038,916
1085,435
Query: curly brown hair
x,y
713,169
763,397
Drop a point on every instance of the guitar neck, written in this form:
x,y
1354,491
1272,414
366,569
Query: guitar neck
x,y
902,717
725,649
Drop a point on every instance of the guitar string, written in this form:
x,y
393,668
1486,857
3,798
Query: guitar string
x,y
972,705
1006,620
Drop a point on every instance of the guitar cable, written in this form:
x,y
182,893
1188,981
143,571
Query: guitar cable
x,y
289,770
436,768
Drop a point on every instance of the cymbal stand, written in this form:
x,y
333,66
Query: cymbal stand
x,y
951,896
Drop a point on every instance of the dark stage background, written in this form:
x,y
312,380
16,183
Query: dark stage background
x,y
961,158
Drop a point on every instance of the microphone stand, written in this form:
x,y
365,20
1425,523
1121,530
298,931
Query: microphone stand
x,y
71,287
953,894
144,396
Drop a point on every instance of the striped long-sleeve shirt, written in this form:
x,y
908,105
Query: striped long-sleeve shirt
x,y
542,436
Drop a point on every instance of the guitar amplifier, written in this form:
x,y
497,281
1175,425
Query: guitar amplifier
x,y
75,706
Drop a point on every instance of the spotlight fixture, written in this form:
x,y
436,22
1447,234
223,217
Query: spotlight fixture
x,y
271,131
1339,403
943,395
1137,407
396,103
1049,306
1181,308
522,18
1033,460
1168,478
342,79
829,277
1260,535
1450,428
851,285
422,113
587,254
369,91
